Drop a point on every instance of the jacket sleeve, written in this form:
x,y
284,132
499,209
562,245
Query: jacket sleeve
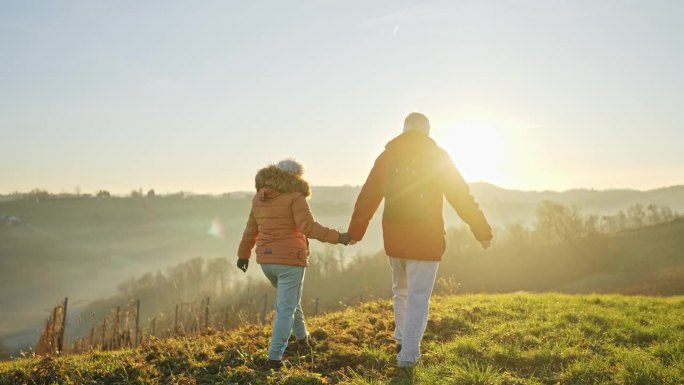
x,y
369,199
458,195
249,237
308,226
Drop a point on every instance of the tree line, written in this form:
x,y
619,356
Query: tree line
x,y
41,195
556,223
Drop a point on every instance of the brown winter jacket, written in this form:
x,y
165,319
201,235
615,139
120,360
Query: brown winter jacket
x,y
422,236
280,220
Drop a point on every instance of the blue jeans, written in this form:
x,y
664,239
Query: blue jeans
x,y
289,317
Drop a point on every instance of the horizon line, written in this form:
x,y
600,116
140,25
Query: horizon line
x,y
194,193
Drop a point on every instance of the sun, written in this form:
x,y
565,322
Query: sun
x,y
477,147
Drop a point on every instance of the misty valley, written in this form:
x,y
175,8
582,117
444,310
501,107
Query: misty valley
x,y
175,255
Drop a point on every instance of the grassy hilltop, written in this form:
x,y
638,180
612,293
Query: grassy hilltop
x,y
471,339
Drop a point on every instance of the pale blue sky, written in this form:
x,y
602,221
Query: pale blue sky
x,y
197,96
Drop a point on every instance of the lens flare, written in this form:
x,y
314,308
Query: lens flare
x,y
216,229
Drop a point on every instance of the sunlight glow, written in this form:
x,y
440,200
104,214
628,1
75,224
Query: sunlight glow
x,y
477,148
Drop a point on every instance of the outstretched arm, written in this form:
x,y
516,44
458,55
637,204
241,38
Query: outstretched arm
x,y
308,226
458,195
249,237
369,199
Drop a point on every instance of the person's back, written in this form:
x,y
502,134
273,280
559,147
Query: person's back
x,y
412,188
412,185
282,220
414,175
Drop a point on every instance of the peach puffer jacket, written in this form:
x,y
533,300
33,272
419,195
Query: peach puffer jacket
x,y
280,221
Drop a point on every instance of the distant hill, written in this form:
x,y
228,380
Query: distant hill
x,y
504,206
588,200
603,199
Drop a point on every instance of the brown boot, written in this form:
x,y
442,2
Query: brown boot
x,y
303,346
273,365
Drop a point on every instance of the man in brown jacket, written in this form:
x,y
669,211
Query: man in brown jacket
x,y
413,175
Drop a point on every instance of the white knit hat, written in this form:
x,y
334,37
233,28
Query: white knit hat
x,y
292,166
416,121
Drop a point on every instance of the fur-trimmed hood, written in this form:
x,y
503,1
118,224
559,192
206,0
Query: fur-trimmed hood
x,y
272,177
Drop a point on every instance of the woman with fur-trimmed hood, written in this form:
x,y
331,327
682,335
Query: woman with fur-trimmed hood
x,y
280,224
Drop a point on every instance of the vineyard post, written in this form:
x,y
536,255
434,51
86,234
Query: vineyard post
x,y
137,323
53,321
318,301
175,322
181,324
225,322
116,327
104,331
263,313
154,327
206,315
62,328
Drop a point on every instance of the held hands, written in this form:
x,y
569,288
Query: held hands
x,y
243,264
345,239
486,244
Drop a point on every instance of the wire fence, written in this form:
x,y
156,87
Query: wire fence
x,y
123,328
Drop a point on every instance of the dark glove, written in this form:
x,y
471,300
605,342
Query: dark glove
x,y
344,239
242,264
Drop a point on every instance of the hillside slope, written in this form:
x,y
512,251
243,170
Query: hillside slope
x,y
84,248
471,339
649,261
90,245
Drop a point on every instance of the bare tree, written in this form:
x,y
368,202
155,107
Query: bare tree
x,y
517,234
557,223
636,215
591,225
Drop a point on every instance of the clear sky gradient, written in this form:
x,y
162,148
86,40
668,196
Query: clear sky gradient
x,y
197,96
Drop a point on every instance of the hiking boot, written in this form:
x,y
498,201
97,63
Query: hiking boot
x,y
403,376
304,350
273,365
303,346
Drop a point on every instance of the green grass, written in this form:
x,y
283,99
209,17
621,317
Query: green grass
x,y
470,339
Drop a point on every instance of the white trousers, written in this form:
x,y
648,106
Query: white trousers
x,y
412,282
